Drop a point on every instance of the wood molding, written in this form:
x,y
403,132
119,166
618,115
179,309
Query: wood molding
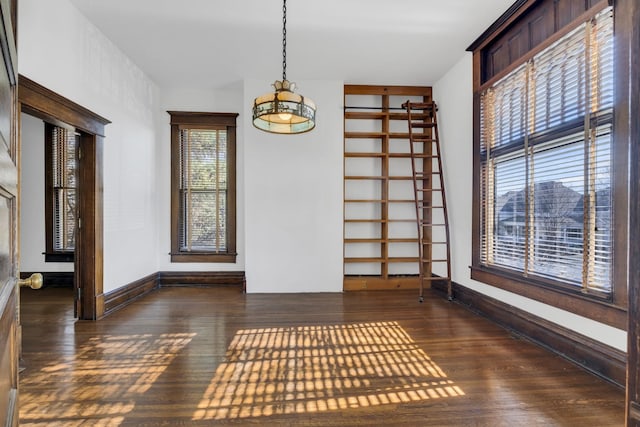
x,y
49,105
506,19
201,278
628,127
527,27
52,107
601,360
121,297
599,310
387,90
55,279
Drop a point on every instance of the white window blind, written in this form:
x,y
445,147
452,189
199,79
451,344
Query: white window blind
x,y
546,145
64,167
203,190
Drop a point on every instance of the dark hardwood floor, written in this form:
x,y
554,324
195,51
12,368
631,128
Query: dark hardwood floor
x,y
214,356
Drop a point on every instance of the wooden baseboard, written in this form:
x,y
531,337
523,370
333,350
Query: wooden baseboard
x,y
604,361
121,297
375,283
54,279
202,278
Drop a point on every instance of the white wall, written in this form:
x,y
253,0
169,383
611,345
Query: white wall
x,y
64,52
454,96
32,189
289,200
293,197
224,100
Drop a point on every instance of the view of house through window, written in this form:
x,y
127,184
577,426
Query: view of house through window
x,y
203,204
60,200
546,156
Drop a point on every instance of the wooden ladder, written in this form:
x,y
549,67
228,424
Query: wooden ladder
x,y
426,164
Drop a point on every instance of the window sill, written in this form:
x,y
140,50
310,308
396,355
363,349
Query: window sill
x,y
203,257
59,257
583,305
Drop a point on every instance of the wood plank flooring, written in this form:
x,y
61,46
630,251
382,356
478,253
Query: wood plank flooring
x,y
214,356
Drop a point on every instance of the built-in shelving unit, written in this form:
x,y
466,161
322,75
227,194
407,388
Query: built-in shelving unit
x,y
380,236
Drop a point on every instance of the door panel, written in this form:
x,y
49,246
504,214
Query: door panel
x,y
9,296
8,291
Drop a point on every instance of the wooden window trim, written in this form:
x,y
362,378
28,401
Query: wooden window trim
x,y
202,120
613,311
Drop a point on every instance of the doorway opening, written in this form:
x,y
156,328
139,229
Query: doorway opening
x,y
39,103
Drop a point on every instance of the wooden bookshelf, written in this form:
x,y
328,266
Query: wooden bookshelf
x,y
380,244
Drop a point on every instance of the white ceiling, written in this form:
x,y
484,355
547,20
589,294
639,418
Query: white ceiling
x,y
214,43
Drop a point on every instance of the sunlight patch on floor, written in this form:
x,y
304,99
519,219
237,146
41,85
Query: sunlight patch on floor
x,y
99,384
307,369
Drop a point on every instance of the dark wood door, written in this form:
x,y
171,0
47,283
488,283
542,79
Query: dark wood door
x,y
9,296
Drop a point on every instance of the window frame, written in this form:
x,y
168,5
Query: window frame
x,y
203,120
51,254
611,310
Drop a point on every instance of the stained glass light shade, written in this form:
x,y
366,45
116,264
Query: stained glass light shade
x,y
283,111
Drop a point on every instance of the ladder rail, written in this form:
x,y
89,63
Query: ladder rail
x,y
420,193
416,204
444,205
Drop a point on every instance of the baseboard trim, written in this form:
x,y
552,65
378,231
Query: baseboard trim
x,y
603,361
122,297
53,279
202,278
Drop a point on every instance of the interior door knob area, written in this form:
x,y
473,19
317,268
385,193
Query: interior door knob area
x,y
34,281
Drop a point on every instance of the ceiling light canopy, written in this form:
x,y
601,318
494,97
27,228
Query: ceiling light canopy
x,y
284,111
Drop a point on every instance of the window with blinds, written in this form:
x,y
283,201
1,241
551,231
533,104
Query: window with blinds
x,y
203,187
203,190
545,158
61,169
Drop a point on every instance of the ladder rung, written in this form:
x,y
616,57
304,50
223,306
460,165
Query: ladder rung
x,y
429,189
435,260
421,206
422,138
421,125
433,243
429,224
419,105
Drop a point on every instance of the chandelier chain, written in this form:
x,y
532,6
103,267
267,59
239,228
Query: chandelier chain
x,y
284,40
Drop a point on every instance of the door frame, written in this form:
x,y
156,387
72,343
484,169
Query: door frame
x,y
38,101
628,51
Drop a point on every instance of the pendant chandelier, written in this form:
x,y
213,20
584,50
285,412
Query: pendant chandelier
x,y
284,111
